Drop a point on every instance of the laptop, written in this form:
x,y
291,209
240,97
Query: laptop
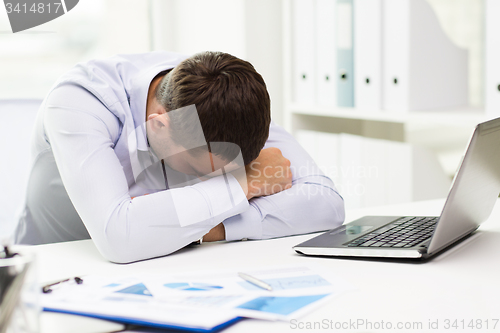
x,y
473,193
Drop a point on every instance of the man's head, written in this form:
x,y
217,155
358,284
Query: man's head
x,y
231,100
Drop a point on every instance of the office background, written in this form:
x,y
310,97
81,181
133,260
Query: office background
x,y
412,154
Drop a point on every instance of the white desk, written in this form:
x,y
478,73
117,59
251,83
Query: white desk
x,y
460,284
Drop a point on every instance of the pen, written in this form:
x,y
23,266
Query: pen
x,y
7,253
255,281
47,288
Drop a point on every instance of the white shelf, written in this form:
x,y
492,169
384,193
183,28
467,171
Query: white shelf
x,y
432,128
465,116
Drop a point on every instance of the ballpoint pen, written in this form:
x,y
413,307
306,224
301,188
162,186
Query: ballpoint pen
x,y
47,288
255,281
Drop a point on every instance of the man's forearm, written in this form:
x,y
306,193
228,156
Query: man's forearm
x,y
309,206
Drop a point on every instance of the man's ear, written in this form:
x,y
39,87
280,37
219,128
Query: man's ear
x,y
158,121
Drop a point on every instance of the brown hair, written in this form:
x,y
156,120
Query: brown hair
x,y
231,99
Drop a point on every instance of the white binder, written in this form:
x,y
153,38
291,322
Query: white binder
x,y
345,53
326,53
370,172
423,69
329,154
492,57
303,12
309,141
373,173
368,43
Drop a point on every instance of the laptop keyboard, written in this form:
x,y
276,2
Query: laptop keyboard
x,y
403,232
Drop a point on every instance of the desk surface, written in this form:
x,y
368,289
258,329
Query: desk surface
x,y
461,284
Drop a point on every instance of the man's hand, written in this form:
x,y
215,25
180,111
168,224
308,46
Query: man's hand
x,y
217,233
268,174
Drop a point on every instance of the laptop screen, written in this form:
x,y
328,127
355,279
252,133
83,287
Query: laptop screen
x,y
475,188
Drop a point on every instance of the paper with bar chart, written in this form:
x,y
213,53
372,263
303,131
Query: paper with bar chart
x,y
204,299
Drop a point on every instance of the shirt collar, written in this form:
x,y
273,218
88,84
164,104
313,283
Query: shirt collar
x,y
138,95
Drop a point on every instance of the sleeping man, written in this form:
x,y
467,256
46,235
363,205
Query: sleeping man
x,y
147,153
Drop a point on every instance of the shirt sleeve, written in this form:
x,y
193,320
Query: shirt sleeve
x,y
82,137
311,204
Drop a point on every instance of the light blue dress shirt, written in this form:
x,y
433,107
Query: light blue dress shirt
x,y
88,141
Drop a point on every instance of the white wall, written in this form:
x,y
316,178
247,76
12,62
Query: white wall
x,y
191,26
251,30
264,47
463,22
32,60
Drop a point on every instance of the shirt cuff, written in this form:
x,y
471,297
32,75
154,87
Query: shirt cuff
x,y
224,198
245,225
